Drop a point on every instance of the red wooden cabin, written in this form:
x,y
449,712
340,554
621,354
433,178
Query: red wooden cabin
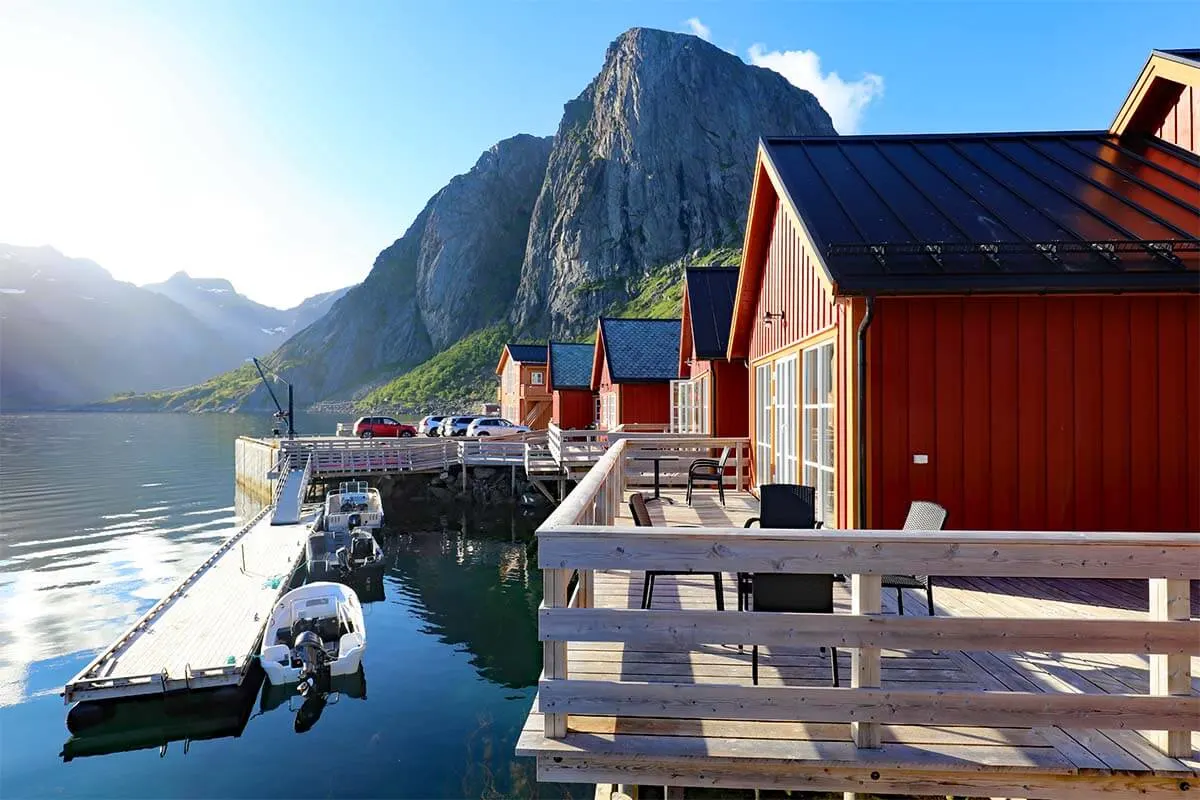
x,y
710,396
633,365
1006,324
573,403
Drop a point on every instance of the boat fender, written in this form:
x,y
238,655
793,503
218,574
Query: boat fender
x,y
83,716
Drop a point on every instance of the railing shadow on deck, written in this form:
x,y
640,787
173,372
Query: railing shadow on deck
x,y
580,538
1125,594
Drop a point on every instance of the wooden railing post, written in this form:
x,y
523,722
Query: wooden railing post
x,y
865,599
554,654
1171,674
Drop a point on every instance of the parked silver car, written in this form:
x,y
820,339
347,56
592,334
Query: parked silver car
x,y
494,426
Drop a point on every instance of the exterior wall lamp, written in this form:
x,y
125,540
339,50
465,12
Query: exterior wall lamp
x,y
770,316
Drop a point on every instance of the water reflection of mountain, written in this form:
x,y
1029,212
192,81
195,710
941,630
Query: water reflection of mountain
x,y
475,580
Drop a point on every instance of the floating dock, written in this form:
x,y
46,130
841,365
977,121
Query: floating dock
x,y
205,633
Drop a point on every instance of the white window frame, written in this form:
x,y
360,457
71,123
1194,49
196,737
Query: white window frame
x,y
608,411
820,447
762,422
537,378
787,465
689,406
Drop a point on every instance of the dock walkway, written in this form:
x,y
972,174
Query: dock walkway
x,y
205,633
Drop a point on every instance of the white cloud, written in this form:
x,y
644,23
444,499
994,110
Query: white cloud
x,y
846,101
698,28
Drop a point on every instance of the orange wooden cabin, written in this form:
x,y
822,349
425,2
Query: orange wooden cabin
x,y
633,364
524,398
1007,324
710,396
573,403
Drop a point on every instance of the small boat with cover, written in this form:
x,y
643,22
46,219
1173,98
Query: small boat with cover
x,y
334,555
353,497
315,632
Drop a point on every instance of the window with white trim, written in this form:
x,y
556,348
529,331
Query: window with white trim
x,y
537,378
786,462
818,428
689,406
762,423
608,411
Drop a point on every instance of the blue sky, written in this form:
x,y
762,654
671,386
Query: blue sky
x,y
283,144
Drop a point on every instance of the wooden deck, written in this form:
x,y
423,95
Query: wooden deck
x,y
206,631
701,749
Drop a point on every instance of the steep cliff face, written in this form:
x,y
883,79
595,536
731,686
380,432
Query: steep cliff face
x,y
652,161
454,271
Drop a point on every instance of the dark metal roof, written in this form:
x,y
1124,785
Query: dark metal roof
x,y
711,292
1187,54
1026,212
571,365
527,353
641,350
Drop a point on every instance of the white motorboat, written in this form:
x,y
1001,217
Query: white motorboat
x,y
315,632
337,555
353,497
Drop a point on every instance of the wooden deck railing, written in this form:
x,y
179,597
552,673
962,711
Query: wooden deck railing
x,y
578,538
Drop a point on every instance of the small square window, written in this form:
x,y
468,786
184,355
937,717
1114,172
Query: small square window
x,y
538,378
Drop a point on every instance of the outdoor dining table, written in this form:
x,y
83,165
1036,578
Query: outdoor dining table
x,y
657,459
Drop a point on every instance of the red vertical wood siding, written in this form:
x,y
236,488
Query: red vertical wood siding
x,y
791,284
1037,413
730,387
648,403
697,368
574,408
1181,126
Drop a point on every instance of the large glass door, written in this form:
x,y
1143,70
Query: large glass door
x,y
819,428
762,423
786,427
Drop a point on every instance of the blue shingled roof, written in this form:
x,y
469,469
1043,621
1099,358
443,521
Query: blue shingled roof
x,y
641,350
527,353
571,365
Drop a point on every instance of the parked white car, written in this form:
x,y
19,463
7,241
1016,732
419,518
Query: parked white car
x,y
456,426
494,426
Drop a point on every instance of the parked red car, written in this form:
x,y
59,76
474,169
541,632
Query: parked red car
x,y
370,427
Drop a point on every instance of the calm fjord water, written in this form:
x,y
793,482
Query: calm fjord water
x,y
101,513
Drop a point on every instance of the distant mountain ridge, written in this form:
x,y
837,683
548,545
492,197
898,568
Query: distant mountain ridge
x,y
651,163
252,327
71,334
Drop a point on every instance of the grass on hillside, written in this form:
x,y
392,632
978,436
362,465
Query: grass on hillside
x,y
216,393
462,374
659,295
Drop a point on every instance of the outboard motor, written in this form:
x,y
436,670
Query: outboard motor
x,y
361,547
310,652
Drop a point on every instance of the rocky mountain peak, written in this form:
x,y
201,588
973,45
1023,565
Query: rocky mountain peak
x,y
652,160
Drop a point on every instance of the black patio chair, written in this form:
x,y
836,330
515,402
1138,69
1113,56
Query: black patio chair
x,y
709,470
922,516
641,518
797,593
780,505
